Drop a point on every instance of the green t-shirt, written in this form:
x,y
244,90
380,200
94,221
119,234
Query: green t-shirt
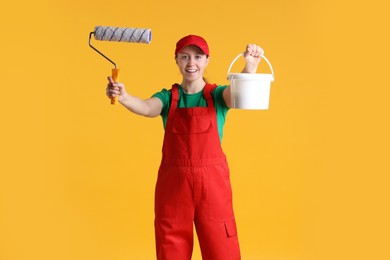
x,y
195,100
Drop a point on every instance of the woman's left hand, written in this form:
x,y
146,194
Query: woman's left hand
x,y
252,57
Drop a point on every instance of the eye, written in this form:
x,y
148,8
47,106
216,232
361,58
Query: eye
x,y
198,57
184,57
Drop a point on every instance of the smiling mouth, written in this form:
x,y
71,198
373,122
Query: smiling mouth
x,y
191,70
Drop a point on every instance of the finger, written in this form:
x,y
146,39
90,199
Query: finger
x,y
112,86
115,86
119,86
260,50
250,49
257,51
253,50
112,92
110,80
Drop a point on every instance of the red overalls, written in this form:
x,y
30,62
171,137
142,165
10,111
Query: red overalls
x,y
193,185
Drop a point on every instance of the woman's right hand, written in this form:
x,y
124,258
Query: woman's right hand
x,y
150,107
114,89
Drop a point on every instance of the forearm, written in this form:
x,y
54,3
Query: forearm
x,y
249,68
151,107
135,104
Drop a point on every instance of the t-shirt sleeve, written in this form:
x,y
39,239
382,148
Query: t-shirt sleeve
x,y
165,96
219,101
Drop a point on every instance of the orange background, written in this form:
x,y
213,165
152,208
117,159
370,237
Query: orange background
x,y
310,175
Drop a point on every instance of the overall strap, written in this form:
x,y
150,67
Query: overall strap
x,y
174,98
173,106
207,95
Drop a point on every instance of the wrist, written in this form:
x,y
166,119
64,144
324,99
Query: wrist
x,y
123,97
249,68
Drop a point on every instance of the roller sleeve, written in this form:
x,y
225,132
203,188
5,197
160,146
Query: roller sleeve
x,y
118,34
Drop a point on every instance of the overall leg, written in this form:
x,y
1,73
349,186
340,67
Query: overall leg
x,y
214,217
174,211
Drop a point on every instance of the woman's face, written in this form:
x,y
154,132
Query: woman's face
x,y
192,62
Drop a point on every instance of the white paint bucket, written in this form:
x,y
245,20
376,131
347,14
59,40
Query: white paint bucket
x,y
250,90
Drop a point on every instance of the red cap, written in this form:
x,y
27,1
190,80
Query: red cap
x,y
192,40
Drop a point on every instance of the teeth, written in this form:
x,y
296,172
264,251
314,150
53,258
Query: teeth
x,y
191,71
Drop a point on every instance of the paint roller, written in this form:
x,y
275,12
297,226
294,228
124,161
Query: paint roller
x,y
119,34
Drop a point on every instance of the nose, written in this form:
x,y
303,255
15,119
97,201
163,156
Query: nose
x,y
191,60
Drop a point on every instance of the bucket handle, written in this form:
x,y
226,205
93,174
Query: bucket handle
x,y
262,56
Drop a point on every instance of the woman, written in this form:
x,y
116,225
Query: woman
x,y
193,184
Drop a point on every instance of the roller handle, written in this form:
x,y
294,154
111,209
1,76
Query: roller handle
x,y
115,78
